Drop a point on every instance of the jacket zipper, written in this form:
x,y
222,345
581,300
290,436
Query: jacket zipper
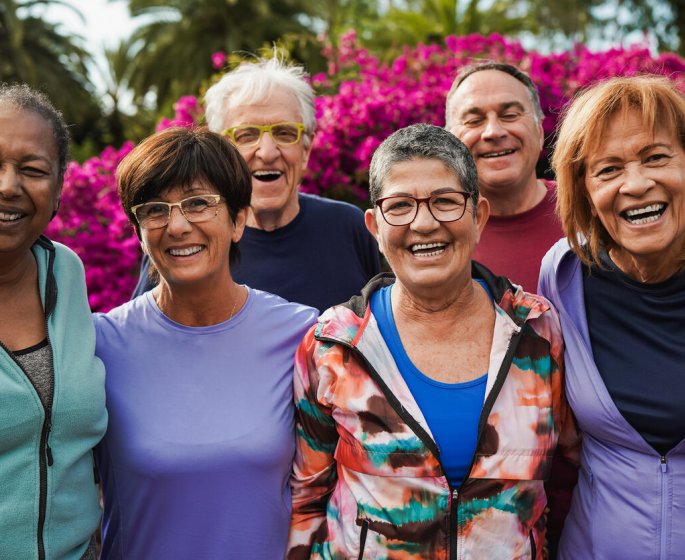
x,y
362,538
45,458
664,506
453,514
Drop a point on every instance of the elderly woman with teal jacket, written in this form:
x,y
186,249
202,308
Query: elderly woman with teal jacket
x,y
52,399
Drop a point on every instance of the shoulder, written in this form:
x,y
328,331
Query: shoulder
x,y
66,261
121,318
274,309
554,256
331,208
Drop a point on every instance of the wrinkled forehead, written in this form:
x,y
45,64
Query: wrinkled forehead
x,y
489,90
652,123
266,106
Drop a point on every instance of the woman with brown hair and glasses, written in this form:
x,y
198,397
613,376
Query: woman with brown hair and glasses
x,y
429,407
196,459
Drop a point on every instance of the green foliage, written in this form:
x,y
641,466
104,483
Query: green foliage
x,y
172,52
34,51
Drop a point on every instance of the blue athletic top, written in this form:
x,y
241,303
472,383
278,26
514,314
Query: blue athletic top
x,y
452,410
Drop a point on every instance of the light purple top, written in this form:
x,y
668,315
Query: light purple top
x,y
197,455
629,502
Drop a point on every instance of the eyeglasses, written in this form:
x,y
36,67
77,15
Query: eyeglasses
x,y
200,208
444,207
249,135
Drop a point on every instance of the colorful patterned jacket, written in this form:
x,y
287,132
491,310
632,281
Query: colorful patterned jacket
x,y
368,482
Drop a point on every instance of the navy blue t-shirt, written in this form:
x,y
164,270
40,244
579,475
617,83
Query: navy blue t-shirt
x,y
322,258
637,332
452,410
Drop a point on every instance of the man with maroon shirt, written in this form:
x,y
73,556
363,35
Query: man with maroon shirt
x,y
494,109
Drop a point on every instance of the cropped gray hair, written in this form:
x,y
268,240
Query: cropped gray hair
x,y
256,81
26,98
514,72
423,141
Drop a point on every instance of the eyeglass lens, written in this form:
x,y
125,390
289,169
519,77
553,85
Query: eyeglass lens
x,y
195,209
283,134
445,207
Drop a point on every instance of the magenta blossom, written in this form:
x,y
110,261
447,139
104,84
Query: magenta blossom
x,y
218,60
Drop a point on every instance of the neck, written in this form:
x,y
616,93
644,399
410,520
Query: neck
x,y
196,306
269,220
15,272
431,309
509,202
650,269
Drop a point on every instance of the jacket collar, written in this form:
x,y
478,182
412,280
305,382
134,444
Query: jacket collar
x,y
50,287
345,322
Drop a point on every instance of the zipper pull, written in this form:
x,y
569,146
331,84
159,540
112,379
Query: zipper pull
x,y
455,494
663,463
48,450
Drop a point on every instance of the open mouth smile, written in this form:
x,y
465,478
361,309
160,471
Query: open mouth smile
x,y
6,216
186,251
645,215
267,176
428,249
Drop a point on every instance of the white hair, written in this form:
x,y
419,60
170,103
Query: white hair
x,y
257,80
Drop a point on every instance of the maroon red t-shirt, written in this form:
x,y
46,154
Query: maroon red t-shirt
x,y
513,246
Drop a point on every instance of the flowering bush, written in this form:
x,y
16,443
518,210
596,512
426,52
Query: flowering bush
x,y
361,102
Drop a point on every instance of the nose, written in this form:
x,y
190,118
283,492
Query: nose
x,y
267,150
637,180
424,220
493,127
178,223
10,185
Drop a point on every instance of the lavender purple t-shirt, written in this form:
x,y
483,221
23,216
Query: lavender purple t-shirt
x,y
197,455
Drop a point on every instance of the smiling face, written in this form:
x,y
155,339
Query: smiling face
x,y
191,254
636,184
427,255
276,170
29,178
492,113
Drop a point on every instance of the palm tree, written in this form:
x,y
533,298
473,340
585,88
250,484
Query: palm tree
x,y
33,51
171,52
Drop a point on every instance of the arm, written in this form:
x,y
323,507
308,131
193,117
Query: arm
x,y
564,473
314,470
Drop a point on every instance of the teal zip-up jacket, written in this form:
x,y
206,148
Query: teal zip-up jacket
x,y
49,506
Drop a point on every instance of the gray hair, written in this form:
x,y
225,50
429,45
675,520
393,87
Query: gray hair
x,y
257,80
28,99
514,72
423,141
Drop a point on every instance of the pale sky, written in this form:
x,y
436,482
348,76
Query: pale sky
x,y
107,21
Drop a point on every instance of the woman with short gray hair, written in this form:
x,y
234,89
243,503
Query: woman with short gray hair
x,y
430,406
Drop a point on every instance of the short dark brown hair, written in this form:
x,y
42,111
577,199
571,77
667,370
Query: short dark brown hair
x,y
177,157
580,132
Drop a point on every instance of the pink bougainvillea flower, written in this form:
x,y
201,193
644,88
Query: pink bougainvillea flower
x,y
218,60
361,102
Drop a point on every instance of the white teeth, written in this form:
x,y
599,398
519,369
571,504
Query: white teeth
x,y
185,252
424,249
497,154
640,221
10,216
646,209
424,246
266,173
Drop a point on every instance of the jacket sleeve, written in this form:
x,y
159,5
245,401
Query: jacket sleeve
x,y
314,470
564,472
